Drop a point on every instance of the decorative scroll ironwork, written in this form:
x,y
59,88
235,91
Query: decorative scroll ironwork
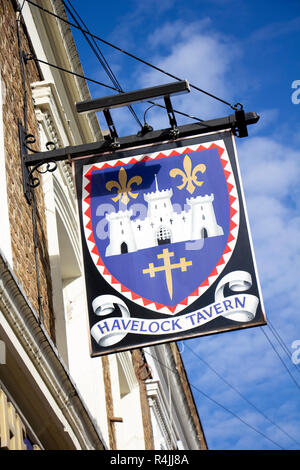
x,y
30,181
41,168
30,139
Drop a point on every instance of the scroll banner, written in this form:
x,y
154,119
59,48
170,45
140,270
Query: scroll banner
x,y
239,307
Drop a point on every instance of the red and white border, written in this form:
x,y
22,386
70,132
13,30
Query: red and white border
x,y
233,232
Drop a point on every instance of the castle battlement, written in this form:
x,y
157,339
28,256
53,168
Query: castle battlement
x,y
164,193
201,199
119,215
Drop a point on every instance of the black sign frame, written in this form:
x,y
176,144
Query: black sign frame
x,y
241,260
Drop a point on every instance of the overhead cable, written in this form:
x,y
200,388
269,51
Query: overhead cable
x,y
129,54
219,404
280,358
114,88
62,69
109,71
240,394
282,344
98,53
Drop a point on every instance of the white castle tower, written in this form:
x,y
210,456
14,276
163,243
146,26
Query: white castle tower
x,y
162,224
159,203
204,223
121,236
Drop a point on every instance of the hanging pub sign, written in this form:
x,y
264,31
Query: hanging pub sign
x,y
166,244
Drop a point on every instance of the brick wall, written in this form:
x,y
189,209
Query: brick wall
x,y
26,269
142,373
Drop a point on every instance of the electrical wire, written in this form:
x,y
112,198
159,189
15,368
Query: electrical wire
x,y
240,394
98,53
234,107
23,72
118,88
280,358
282,344
146,111
175,111
32,57
36,59
109,71
115,88
94,46
219,404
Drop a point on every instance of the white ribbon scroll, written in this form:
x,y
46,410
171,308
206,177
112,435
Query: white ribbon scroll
x,y
239,307
102,306
238,281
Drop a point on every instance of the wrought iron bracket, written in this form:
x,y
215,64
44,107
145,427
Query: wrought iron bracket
x,y
34,161
30,180
114,144
146,128
241,125
174,131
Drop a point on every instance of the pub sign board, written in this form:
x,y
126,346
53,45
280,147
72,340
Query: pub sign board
x,y
166,244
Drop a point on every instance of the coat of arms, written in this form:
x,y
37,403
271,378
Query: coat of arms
x,y
160,228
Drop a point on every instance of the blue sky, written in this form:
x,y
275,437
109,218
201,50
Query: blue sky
x,y
248,52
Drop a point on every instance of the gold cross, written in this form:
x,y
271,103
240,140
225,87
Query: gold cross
x,y
167,267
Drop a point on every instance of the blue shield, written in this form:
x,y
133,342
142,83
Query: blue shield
x,y
161,227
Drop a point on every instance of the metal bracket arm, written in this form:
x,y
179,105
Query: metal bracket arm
x,y
174,129
101,148
241,125
112,129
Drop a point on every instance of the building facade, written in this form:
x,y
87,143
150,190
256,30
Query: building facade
x,y
53,395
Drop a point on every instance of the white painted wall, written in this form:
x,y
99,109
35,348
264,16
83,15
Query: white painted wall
x,y
126,396
85,371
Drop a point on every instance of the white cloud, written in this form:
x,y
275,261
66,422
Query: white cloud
x,y
192,52
267,117
271,173
275,30
199,57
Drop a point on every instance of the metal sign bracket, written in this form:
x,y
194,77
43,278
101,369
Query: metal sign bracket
x,y
112,130
174,132
28,168
36,162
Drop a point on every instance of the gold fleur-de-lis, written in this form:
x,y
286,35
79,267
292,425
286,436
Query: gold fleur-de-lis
x,y
124,188
189,176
